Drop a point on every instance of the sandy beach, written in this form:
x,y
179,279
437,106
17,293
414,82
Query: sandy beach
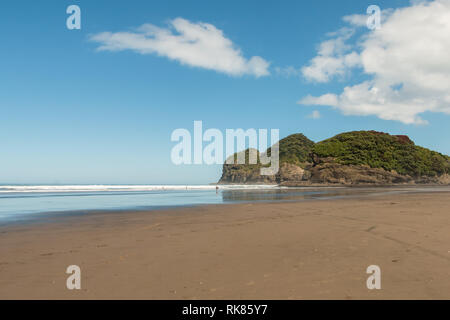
x,y
287,250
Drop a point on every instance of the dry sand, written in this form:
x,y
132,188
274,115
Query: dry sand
x,y
302,250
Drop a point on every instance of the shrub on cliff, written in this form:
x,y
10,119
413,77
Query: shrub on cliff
x,y
295,149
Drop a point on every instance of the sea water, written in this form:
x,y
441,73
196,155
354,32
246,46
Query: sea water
x,y
25,202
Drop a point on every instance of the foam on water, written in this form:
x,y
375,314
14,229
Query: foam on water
x,y
106,188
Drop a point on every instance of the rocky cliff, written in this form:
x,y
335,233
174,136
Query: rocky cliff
x,y
352,158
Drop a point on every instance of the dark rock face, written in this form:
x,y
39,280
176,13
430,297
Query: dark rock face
x,y
238,174
334,173
235,174
325,173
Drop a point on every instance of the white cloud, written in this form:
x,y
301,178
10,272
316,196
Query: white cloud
x,y
314,115
359,20
407,63
194,44
333,58
328,99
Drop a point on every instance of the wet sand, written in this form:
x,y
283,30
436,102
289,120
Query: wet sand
x,y
288,250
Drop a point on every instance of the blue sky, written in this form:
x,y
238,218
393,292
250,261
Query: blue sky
x,y
74,114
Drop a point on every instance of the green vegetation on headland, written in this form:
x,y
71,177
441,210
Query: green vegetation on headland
x,y
381,150
348,158
296,149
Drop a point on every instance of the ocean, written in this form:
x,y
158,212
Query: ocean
x,y
23,203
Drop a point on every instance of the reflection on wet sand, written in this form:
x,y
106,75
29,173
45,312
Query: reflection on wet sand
x,y
297,194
